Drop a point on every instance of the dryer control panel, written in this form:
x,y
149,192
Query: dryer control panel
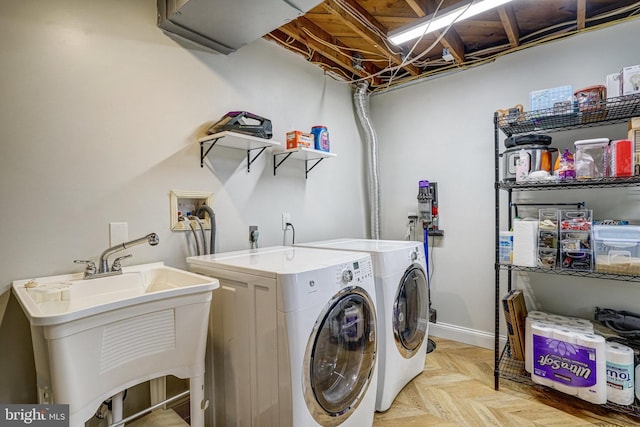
x,y
415,255
355,273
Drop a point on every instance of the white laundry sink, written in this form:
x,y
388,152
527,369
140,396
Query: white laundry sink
x,y
57,299
93,338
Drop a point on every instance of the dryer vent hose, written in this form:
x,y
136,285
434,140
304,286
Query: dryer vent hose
x,y
361,103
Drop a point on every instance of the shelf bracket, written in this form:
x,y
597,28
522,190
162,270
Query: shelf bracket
x,y
307,169
277,164
203,154
250,160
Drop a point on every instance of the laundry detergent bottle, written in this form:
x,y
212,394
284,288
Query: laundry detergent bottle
x,y
320,138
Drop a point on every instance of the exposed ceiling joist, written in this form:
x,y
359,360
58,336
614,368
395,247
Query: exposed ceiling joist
x,y
311,35
377,42
349,37
510,24
451,39
581,12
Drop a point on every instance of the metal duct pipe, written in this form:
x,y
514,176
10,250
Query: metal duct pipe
x,y
361,102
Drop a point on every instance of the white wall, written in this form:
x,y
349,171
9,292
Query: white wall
x,y
100,114
442,130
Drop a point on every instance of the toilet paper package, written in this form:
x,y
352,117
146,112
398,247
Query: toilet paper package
x,y
569,361
620,374
575,324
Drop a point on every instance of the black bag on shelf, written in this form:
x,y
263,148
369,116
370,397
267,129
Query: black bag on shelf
x,y
625,323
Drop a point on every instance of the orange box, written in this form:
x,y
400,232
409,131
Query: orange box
x,y
297,139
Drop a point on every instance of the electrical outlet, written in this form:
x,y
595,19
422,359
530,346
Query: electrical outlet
x,y
286,218
118,233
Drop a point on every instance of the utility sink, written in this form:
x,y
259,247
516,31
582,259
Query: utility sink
x,y
57,299
93,338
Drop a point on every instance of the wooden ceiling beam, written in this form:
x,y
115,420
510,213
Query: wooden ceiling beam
x,y
581,14
417,6
451,40
510,24
296,30
359,28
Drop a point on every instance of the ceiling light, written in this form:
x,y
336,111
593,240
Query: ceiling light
x,y
442,20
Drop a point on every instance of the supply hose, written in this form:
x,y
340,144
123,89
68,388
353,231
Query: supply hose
x,y
212,218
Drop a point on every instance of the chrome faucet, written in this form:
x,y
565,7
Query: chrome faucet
x,y
116,268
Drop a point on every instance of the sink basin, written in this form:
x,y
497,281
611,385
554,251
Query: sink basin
x,y
57,299
93,338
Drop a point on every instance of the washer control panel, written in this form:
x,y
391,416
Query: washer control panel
x,y
415,255
355,273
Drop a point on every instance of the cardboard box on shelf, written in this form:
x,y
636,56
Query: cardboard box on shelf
x,y
515,314
297,139
631,80
614,84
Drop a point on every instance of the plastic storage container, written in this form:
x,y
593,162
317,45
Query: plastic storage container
x,y
621,157
591,159
547,237
575,240
617,249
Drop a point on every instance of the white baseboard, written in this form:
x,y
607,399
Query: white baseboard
x,y
465,335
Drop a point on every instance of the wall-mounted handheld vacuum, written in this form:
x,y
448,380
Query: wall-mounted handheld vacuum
x,y
428,207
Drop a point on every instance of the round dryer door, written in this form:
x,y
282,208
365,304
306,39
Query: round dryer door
x,y
340,357
411,311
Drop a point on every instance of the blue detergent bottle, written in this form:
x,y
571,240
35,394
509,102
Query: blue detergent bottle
x,y
320,138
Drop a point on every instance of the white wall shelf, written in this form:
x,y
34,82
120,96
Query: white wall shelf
x,y
309,155
236,140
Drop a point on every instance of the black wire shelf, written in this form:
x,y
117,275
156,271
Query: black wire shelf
x,y
613,110
631,181
578,273
513,370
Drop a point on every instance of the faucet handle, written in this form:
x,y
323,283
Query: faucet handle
x,y
91,266
117,266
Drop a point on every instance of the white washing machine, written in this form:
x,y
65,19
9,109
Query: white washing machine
x,y
403,309
293,339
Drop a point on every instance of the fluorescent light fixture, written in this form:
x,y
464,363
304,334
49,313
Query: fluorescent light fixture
x,y
442,20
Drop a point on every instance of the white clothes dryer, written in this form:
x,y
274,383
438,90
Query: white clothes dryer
x,y
403,309
293,339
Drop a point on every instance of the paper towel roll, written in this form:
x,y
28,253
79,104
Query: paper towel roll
x,y
597,393
525,242
620,373
566,338
542,331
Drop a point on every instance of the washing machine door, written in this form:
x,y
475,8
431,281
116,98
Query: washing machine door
x,y
411,311
340,357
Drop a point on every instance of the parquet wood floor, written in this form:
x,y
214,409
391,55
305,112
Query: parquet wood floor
x,y
456,389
